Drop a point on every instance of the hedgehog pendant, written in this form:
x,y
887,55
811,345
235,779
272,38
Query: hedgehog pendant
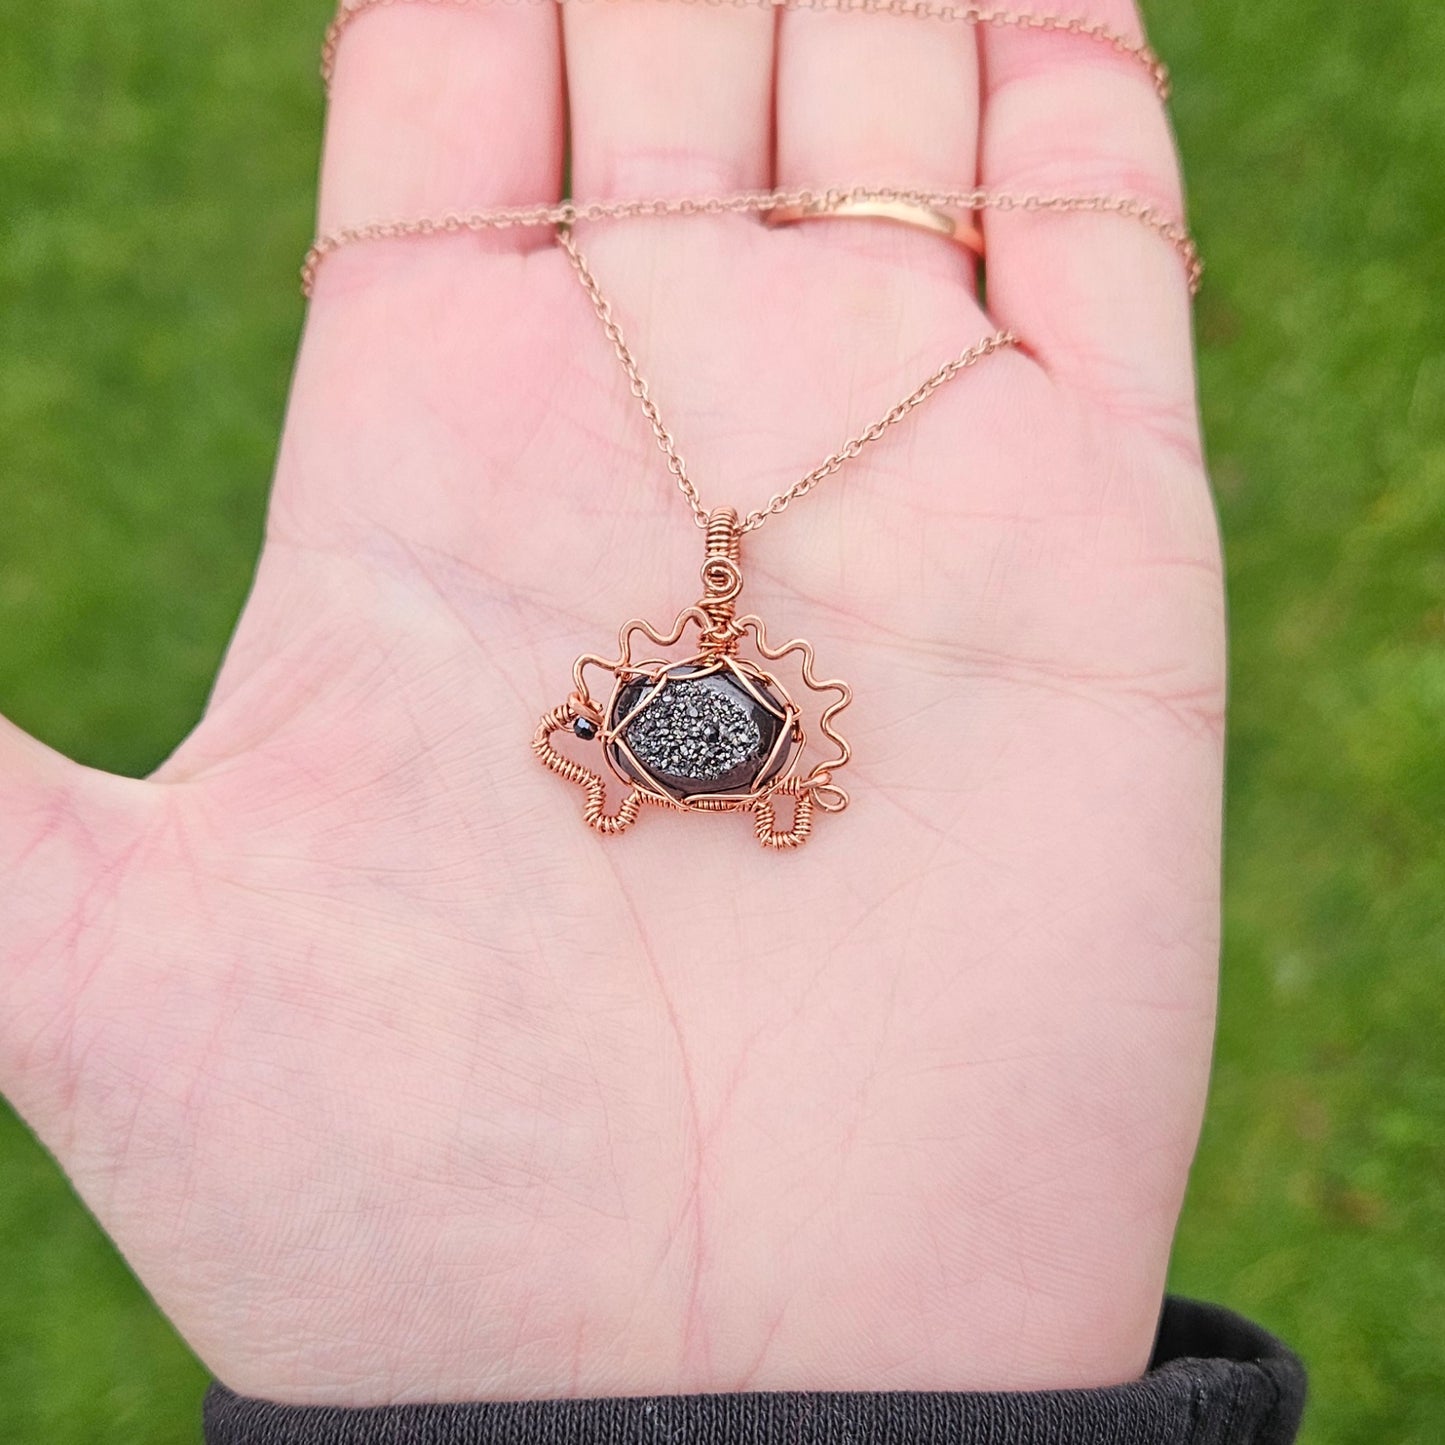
x,y
709,731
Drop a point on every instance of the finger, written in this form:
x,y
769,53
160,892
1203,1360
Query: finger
x,y
883,99
444,108
668,98
1101,301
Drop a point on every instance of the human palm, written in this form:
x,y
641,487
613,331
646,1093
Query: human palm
x,y
394,1081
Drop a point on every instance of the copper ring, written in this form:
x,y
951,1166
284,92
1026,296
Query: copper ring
x,y
902,213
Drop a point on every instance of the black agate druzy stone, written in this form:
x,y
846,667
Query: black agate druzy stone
x,y
701,731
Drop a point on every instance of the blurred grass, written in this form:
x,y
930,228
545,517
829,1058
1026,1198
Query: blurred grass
x,y
156,162
1315,140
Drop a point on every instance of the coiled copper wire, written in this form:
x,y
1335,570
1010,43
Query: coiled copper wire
x,y
722,580
594,786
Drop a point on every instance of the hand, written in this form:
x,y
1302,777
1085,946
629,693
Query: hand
x,y
392,1080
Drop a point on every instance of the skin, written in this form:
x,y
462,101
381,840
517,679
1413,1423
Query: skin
x,y
394,1082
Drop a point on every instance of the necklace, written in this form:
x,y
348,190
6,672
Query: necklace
x,y
706,724
715,730
565,214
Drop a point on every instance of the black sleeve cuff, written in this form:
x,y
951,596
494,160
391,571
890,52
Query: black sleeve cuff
x,y
1215,1379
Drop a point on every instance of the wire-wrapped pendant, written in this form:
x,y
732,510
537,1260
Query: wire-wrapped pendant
x,y
709,729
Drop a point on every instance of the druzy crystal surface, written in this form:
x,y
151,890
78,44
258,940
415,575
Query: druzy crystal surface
x,y
700,732
695,731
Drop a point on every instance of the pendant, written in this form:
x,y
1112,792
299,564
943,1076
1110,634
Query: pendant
x,y
704,726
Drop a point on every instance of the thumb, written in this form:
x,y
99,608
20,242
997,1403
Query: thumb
x,y
67,834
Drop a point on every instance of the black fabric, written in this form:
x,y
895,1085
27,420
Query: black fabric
x,y
1215,1379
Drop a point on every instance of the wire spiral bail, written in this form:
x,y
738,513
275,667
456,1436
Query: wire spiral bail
x,y
722,580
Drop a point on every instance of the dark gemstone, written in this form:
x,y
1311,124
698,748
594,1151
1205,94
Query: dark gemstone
x,y
585,729
701,732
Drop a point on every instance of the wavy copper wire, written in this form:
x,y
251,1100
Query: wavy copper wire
x,y
821,777
817,789
624,645
594,811
720,630
832,798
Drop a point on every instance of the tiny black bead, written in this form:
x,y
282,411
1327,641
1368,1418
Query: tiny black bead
x,y
585,729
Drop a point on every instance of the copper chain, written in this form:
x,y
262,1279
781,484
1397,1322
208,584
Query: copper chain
x,y
568,213
563,215
1080,25
833,462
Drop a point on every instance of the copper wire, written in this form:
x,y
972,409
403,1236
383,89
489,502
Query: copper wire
x,y
565,214
722,579
820,780
1083,26
765,816
833,462
721,632
594,785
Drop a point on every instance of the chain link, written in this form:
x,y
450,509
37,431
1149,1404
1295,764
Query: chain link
x,y
833,462
564,214
978,15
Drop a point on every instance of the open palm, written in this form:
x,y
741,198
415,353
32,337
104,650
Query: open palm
x,y
391,1079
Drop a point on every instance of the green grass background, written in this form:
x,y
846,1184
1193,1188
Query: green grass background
x,y
156,166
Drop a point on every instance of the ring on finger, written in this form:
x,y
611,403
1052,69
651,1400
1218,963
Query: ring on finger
x,y
903,213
